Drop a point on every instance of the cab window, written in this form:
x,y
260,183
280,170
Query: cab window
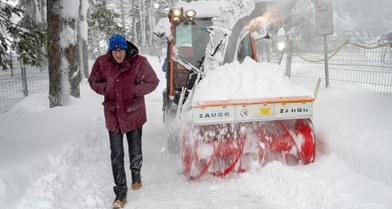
x,y
244,49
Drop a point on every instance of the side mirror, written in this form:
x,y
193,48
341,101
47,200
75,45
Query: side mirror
x,y
162,28
159,35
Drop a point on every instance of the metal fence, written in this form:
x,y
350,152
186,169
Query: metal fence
x,y
19,82
355,60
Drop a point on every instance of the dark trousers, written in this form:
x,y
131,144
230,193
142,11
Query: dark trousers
x,y
134,139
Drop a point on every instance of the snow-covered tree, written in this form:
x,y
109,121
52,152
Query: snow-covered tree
x,y
82,37
138,18
102,24
33,19
64,73
54,53
69,44
22,38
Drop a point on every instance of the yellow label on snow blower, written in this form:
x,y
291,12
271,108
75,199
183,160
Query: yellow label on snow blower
x,y
265,111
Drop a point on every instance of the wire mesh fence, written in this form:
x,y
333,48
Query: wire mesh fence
x,y
355,59
19,82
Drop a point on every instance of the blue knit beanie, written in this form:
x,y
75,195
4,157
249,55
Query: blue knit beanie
x,y
117,41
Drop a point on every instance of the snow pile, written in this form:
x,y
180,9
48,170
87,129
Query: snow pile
x,y
356,126
33,136
248,80
33,103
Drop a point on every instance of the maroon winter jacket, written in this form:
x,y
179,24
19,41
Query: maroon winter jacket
x,y
123,86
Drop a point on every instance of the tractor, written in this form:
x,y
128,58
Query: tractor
x,y
213,137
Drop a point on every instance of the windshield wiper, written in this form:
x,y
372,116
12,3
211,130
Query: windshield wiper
x,y
217,47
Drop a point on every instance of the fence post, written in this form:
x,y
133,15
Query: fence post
x,y
24,79
326,61
281,56
12,65
289,57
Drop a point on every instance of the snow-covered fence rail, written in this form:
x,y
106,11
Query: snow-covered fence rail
x,y
15,84
361,60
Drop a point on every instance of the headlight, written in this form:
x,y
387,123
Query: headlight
x,y
190,13
177,12
176,19
281,46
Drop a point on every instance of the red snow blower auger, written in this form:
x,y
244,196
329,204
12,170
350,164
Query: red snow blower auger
x,y
228,136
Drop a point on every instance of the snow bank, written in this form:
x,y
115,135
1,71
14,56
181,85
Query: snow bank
x,y
248,80
33,136
357,126
33,103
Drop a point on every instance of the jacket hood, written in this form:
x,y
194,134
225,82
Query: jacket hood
x,y
132,49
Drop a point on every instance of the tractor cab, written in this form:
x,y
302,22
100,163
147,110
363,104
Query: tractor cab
x,y
187,29
187,54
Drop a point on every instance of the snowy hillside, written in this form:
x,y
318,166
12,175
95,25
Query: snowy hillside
x,y
59,158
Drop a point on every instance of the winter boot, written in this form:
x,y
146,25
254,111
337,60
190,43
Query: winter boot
x,y
136,179
119,203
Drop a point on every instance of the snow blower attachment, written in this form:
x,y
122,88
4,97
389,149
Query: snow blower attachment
x,y
228,136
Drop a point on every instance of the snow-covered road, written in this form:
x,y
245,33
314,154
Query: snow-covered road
x,y
71,167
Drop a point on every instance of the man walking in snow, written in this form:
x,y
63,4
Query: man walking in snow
x,y
123,77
